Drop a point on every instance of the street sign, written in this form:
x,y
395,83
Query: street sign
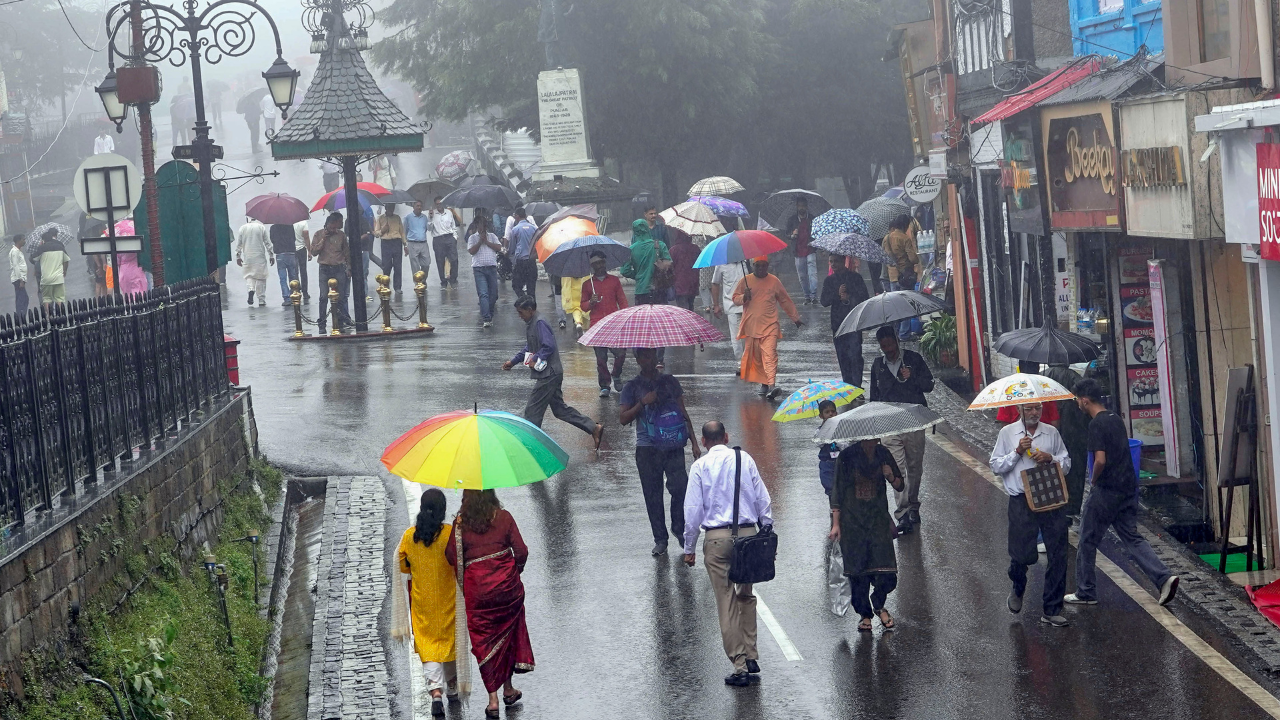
x,y
921,186
107,187
1269,199
188,152
103,245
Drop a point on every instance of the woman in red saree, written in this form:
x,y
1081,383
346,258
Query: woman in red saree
x,y
493,556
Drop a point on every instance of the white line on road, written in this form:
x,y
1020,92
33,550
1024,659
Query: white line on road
x,y
789,650
1160,614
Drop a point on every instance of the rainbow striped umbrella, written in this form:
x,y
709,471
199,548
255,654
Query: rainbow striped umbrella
x,y
480,450
803,403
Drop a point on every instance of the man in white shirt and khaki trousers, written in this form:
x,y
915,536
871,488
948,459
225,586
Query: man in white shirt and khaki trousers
x,y
1023,445
708,505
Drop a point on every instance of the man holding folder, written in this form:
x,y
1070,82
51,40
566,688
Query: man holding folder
x,y
1022,445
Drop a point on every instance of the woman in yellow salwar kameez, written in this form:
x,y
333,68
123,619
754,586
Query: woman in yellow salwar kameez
x,y
432,588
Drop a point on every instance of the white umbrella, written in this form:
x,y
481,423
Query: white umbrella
x,y
718,185
693,218
876,420
1019,389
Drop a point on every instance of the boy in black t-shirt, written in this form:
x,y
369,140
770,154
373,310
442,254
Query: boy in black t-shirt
x,y
1113,502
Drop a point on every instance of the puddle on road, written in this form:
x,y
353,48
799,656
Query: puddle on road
x,y
293,670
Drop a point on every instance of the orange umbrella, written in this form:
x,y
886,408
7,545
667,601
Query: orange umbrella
x,y
570,228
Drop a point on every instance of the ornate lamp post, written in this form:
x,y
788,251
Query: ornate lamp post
x,y
223,29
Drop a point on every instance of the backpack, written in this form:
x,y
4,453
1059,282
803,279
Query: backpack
x,y
664,423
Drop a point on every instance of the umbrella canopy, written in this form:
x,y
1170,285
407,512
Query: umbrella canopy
x,y
651,326
803,403
454,165
249,103
887,308
876,420
554,234
572,258
337,200
482,196
277,209
738,246
693,218
717,185
426,191
721,206
475,451
879,212
65,236
541,208
838,221
1018,389
782,205
396,196
1047,345
125,227
853,245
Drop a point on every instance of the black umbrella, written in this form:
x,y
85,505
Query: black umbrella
x,y
426,191
541,208
782,205
887,308
474,180
250,102
1047,345
397,196
485,196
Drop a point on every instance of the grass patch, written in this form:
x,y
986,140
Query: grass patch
x,y
198,676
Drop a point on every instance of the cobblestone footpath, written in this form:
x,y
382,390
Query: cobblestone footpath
x,y
348,665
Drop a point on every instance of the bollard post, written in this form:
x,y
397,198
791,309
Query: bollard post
x,y
333,307
384,296
296,298
420,278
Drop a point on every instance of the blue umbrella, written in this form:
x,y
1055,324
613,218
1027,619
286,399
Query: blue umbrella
x,y
839,221
721,206
854,245
738,246
573,257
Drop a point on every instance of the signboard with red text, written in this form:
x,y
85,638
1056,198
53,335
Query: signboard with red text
x,y
1269,200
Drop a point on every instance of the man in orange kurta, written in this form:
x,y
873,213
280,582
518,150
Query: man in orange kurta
x,y
760,295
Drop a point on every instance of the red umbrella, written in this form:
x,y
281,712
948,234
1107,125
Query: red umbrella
x,y
651,326
337,199
277,209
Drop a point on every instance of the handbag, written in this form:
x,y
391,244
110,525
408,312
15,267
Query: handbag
x,y
752,560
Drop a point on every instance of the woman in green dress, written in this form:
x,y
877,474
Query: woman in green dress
x,y
860,521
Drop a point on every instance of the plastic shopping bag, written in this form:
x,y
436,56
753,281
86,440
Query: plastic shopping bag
x,y
838,590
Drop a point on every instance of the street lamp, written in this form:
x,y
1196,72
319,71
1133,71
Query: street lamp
x,y
223,29
116,110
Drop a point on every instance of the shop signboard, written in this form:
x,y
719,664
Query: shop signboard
x,y
1141,349
920,186
1269,200
1164,366
1081,162
1020,177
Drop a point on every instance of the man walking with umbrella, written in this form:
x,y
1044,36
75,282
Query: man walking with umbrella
x,y
542,356
444,242
902,376
798,229
760,295
842,291
602,296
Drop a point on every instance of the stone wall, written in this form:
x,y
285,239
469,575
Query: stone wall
x,y
169,497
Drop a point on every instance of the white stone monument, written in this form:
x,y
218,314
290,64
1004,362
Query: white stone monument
x,y
566,147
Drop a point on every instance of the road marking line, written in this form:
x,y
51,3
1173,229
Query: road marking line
x,y
789,650
1160,614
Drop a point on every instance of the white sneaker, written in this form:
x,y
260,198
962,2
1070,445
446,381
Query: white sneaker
x,y
604,392
1074,599
1169,589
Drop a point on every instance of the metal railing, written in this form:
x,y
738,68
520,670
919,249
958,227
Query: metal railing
x,y
86,382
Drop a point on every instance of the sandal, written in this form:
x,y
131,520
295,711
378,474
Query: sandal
x,y
865,625
598,435
510,700
887,624
492,712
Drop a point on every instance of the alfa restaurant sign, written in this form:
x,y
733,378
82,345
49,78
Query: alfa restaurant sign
x,y
1082,172
1269,200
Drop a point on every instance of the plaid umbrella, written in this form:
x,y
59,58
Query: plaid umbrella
x,y
454,165
718,185
693,218
722,207
803,403
888,308
879,212
277,209
65,236
782,205
853,245
838,221
876,420
651,326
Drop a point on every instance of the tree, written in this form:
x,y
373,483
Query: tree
x,y
39,50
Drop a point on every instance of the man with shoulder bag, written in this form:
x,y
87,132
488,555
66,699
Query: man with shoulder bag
x,y
727,499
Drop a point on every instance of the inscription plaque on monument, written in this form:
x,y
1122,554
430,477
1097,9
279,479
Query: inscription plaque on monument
x,y
566,148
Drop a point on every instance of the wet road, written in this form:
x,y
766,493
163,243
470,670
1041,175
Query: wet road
x,y
614,628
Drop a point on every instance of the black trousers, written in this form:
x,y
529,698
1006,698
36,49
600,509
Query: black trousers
x,y
393,261
339,273
868,602
446,248
302,273
524,278
849,354
605,374
652,464
21,299
1024,525
548,393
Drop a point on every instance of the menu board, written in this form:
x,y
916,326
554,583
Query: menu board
x,y
1142,376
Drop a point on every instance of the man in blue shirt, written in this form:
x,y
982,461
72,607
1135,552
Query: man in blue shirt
x,y
524,275
416,225
542,357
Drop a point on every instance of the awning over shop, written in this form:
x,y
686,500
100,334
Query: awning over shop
x,y
1051,84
